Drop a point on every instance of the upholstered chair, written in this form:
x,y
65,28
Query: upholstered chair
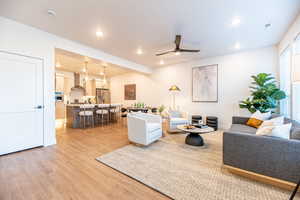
x,y
175,118
144,128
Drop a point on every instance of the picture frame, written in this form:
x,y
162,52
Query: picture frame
x,y
205,83
130,92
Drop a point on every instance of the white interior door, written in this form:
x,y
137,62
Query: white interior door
x,y
21,103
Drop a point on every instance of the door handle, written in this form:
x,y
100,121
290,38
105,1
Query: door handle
x,y
39,107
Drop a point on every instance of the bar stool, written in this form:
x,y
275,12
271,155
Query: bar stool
x,y
102,113
119,109
124,113
114,110
86,114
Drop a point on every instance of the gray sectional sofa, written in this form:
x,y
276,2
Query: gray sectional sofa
x,y
269,156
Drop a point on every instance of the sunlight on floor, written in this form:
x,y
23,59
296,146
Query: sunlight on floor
x,y
60,123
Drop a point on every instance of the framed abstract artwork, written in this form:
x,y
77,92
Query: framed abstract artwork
x,y
130,92
205,83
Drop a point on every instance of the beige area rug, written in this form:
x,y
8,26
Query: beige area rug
x,y
181,171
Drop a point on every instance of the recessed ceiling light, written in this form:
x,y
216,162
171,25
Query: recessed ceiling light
x,y
51,12
58,64
237,45
101,73
162,62
139,51
177,53
236,22
99,34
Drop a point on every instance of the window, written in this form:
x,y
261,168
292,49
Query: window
x,y
296,81
285,81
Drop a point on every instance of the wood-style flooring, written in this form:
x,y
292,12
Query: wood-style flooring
x,y
68,170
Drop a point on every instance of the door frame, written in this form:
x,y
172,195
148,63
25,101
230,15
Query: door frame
x,y
43,84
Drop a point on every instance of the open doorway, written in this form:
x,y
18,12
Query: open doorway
x,y
81,80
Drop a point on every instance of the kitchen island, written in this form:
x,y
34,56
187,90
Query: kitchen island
x,y
72,113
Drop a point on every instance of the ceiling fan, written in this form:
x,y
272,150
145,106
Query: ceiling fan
x,y
177,48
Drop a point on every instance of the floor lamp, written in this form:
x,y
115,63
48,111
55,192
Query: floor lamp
x,y
174,89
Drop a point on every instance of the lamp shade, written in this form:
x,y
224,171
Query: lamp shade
x,y
174,88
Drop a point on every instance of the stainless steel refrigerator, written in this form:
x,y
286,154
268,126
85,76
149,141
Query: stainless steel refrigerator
x,y
102,96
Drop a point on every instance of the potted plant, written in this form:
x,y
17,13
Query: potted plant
x,y
265,94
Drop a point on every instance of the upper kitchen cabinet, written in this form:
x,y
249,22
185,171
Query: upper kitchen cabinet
x,y
68,84
91,88
59,83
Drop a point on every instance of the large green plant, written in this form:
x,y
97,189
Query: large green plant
x,y
265,95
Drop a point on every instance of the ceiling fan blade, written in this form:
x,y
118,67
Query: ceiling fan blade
x,y
177,41
189,50
163,53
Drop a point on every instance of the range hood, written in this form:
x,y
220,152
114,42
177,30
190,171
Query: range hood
x,y
77,86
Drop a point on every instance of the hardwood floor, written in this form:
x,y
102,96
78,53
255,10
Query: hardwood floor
x,y
69,170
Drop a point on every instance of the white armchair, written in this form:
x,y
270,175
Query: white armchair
x,y
175,118
144,128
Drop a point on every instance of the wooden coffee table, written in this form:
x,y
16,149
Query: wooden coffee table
x,y
194,135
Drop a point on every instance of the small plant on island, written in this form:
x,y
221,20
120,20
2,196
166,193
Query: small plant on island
x,y
161,109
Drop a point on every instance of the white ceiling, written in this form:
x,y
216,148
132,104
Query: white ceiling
x,y
73,62
153,24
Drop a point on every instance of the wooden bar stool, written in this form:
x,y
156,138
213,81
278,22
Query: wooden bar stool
x,y
86,115
114,111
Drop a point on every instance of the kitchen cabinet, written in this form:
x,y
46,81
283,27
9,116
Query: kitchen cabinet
x,y
91,88
59,83
68,84
60,110
101,84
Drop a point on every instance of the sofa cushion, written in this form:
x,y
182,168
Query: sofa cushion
x,y
241,128
178,121
153,127
295,130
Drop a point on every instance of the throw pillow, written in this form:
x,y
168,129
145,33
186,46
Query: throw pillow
x,y
277,121
261,116
282,131
264,130
253,122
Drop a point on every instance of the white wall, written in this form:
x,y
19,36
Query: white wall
x,y
290,35
25,40
234,80
144,88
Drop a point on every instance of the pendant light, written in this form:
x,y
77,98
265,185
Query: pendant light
x,y
85,72
104,76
